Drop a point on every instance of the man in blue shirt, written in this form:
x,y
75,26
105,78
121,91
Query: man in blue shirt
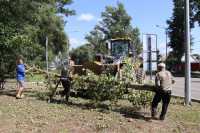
x,y
20,78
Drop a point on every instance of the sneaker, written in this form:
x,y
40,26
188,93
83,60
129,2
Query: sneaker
x,y
162,118
18,97
22,96
154,118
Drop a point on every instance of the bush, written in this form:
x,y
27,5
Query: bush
x,y
106,87
140,98
99,87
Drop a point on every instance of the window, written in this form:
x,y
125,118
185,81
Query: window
x,y
120,48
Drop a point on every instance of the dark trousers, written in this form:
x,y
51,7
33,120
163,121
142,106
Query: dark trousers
x,y
66,85
165,96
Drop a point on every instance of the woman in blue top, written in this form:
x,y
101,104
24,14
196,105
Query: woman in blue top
x,y
20,78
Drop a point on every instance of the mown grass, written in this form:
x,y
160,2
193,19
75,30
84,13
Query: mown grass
x,y
35,78
34,114
187,114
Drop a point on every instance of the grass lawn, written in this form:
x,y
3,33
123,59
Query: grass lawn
x,y
35,78
32,114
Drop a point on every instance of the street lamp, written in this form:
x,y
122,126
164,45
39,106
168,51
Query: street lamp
x,y
165,28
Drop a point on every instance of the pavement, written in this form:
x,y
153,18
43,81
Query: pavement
x,y
178,87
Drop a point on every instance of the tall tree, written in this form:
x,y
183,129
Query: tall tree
x,y
176,26
176,30
96,41
24,25
82,54
116,23
195,7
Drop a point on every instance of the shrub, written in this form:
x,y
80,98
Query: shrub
x,y
106,87
99,87
140,97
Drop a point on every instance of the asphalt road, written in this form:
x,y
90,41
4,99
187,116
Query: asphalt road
x,y
178,87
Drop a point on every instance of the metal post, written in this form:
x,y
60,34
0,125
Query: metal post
x,y
187,55
47,65
166,42
156,52
150,56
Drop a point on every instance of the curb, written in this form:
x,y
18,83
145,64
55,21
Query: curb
x,y
182,97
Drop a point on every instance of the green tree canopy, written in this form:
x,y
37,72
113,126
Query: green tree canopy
x,y
176,29
176,26
82,54
115,23
24,25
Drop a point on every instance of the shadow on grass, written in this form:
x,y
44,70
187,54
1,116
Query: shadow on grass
x,y
127,111
83,103
11,93
28,93
133,112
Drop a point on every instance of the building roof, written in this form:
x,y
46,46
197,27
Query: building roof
x,y
192,59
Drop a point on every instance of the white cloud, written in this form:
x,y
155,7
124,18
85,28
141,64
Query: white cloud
x,y
74,42
87,17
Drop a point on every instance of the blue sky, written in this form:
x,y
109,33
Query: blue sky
x,y
146,14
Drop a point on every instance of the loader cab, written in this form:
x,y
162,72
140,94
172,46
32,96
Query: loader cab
x,y
121,47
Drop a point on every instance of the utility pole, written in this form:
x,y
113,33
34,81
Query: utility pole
x,y
166,42
187,55
47,64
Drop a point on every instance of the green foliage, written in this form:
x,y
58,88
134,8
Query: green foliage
x,y
99,87
96,41
176,30
116,23
176,26
140,98
24,26
35,78
136,97
106,87
195,9
82,54
128,71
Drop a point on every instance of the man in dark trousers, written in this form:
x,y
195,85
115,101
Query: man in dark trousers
x,y
163,82
66,77
65,80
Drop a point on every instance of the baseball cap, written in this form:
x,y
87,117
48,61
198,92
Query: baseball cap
x,y
161,65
